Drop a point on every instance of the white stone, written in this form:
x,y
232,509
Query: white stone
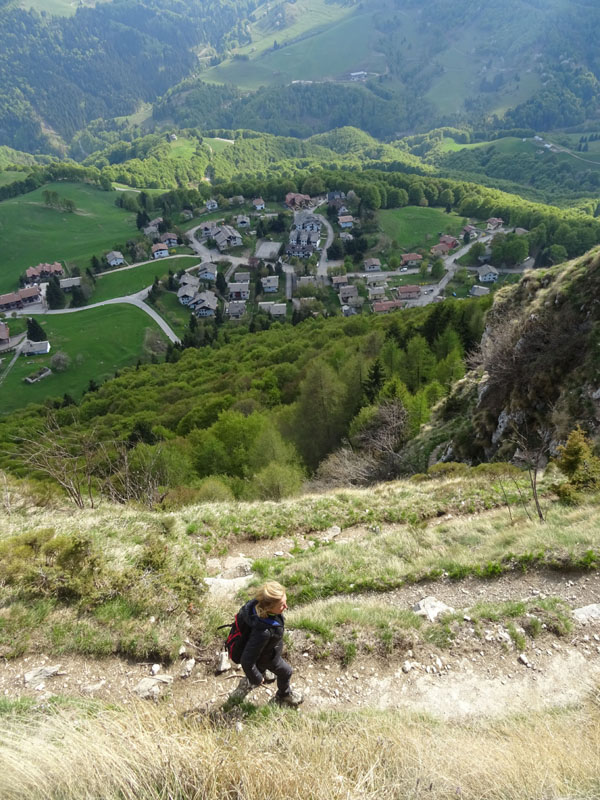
x,y
587,613
41,673
187,668
236,567
407,666
226,587
431,608
223,663
155,669
150,688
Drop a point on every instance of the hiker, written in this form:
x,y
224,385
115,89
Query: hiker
x,y
262,618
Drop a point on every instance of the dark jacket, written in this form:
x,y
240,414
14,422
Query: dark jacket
x,y
265,642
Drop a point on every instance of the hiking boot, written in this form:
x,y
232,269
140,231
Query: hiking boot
x,y
243,688
291,698
269,677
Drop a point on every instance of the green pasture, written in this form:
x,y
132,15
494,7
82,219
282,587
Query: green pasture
x,y
31,232
62,8
123,282
183,148
414,227
217,145
343,47
98,341
171,310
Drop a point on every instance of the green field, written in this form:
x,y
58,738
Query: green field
x,y
217,145
171,310
32,233
98,341
414,227
130,281
342,47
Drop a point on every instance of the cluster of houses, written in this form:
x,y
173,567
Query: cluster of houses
x,y
305,235
193,293
377,288
43,272
345,219
21,298
224,235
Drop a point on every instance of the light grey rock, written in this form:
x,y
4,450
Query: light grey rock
x,y
407,666
155,669
236,567
150,688
182,651
41,673
226,587
213,566
523,659
94,687
587,613
334,531
223,662
188,668
431,608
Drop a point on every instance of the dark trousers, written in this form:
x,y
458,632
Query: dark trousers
x,y
279,667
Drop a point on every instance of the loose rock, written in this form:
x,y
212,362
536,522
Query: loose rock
x,y
431,608
41,673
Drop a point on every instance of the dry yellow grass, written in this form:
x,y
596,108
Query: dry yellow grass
x,y
149,752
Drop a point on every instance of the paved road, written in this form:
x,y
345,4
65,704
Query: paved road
x,y
18,349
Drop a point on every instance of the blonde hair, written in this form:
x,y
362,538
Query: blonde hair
x,y
267,596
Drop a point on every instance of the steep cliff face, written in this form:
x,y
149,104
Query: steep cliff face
x,y
538,368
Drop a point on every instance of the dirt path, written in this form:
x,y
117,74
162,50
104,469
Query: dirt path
x,y
481,673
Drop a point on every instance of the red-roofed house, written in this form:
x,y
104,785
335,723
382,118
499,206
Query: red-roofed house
x,y
258,203
494,222
440,249
43,272
408,292
294,200
451,240
385,306
411,259
160,250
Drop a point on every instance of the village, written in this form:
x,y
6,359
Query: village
x,y
289,276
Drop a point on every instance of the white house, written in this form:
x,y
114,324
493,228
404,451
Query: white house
x,y
160,250
239,291
211,205
376,291
487,274
372,265
227,236
185,294
242,221
270,283
115,258
205,304
35,348
170,239
259,204
207,271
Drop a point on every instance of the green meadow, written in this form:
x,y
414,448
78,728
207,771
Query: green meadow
x,y
98,341
414,227
31,232
343,47
129,281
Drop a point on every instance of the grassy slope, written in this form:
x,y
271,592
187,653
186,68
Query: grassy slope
x,y
130,281
32,233
414,227
98,341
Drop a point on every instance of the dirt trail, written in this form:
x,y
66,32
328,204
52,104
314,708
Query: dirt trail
x,y
480,673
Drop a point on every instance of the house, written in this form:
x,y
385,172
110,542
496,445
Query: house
x,y
170,239
259,204
336,194
209,229
4,334
35,348
270,283
372,265
10,301
239,291
479,291
341,210
115,258
187,279
207,271
305,221
205,304
185,294
227,237
409,292
346,237
294,200
211,205
30,295
242,221
471,230
348,311
274,309
43,272
68,284
237,200
242,277
235,309
339,280
440,250
347,293
338,204
385,306
411,259
152,226
487,274
493,223
346,221
160,250
452,241
376,291
376,279
187,214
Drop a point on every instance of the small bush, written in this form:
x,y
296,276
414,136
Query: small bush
x,y
448,469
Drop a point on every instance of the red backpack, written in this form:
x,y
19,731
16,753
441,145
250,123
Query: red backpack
x,y
236,640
